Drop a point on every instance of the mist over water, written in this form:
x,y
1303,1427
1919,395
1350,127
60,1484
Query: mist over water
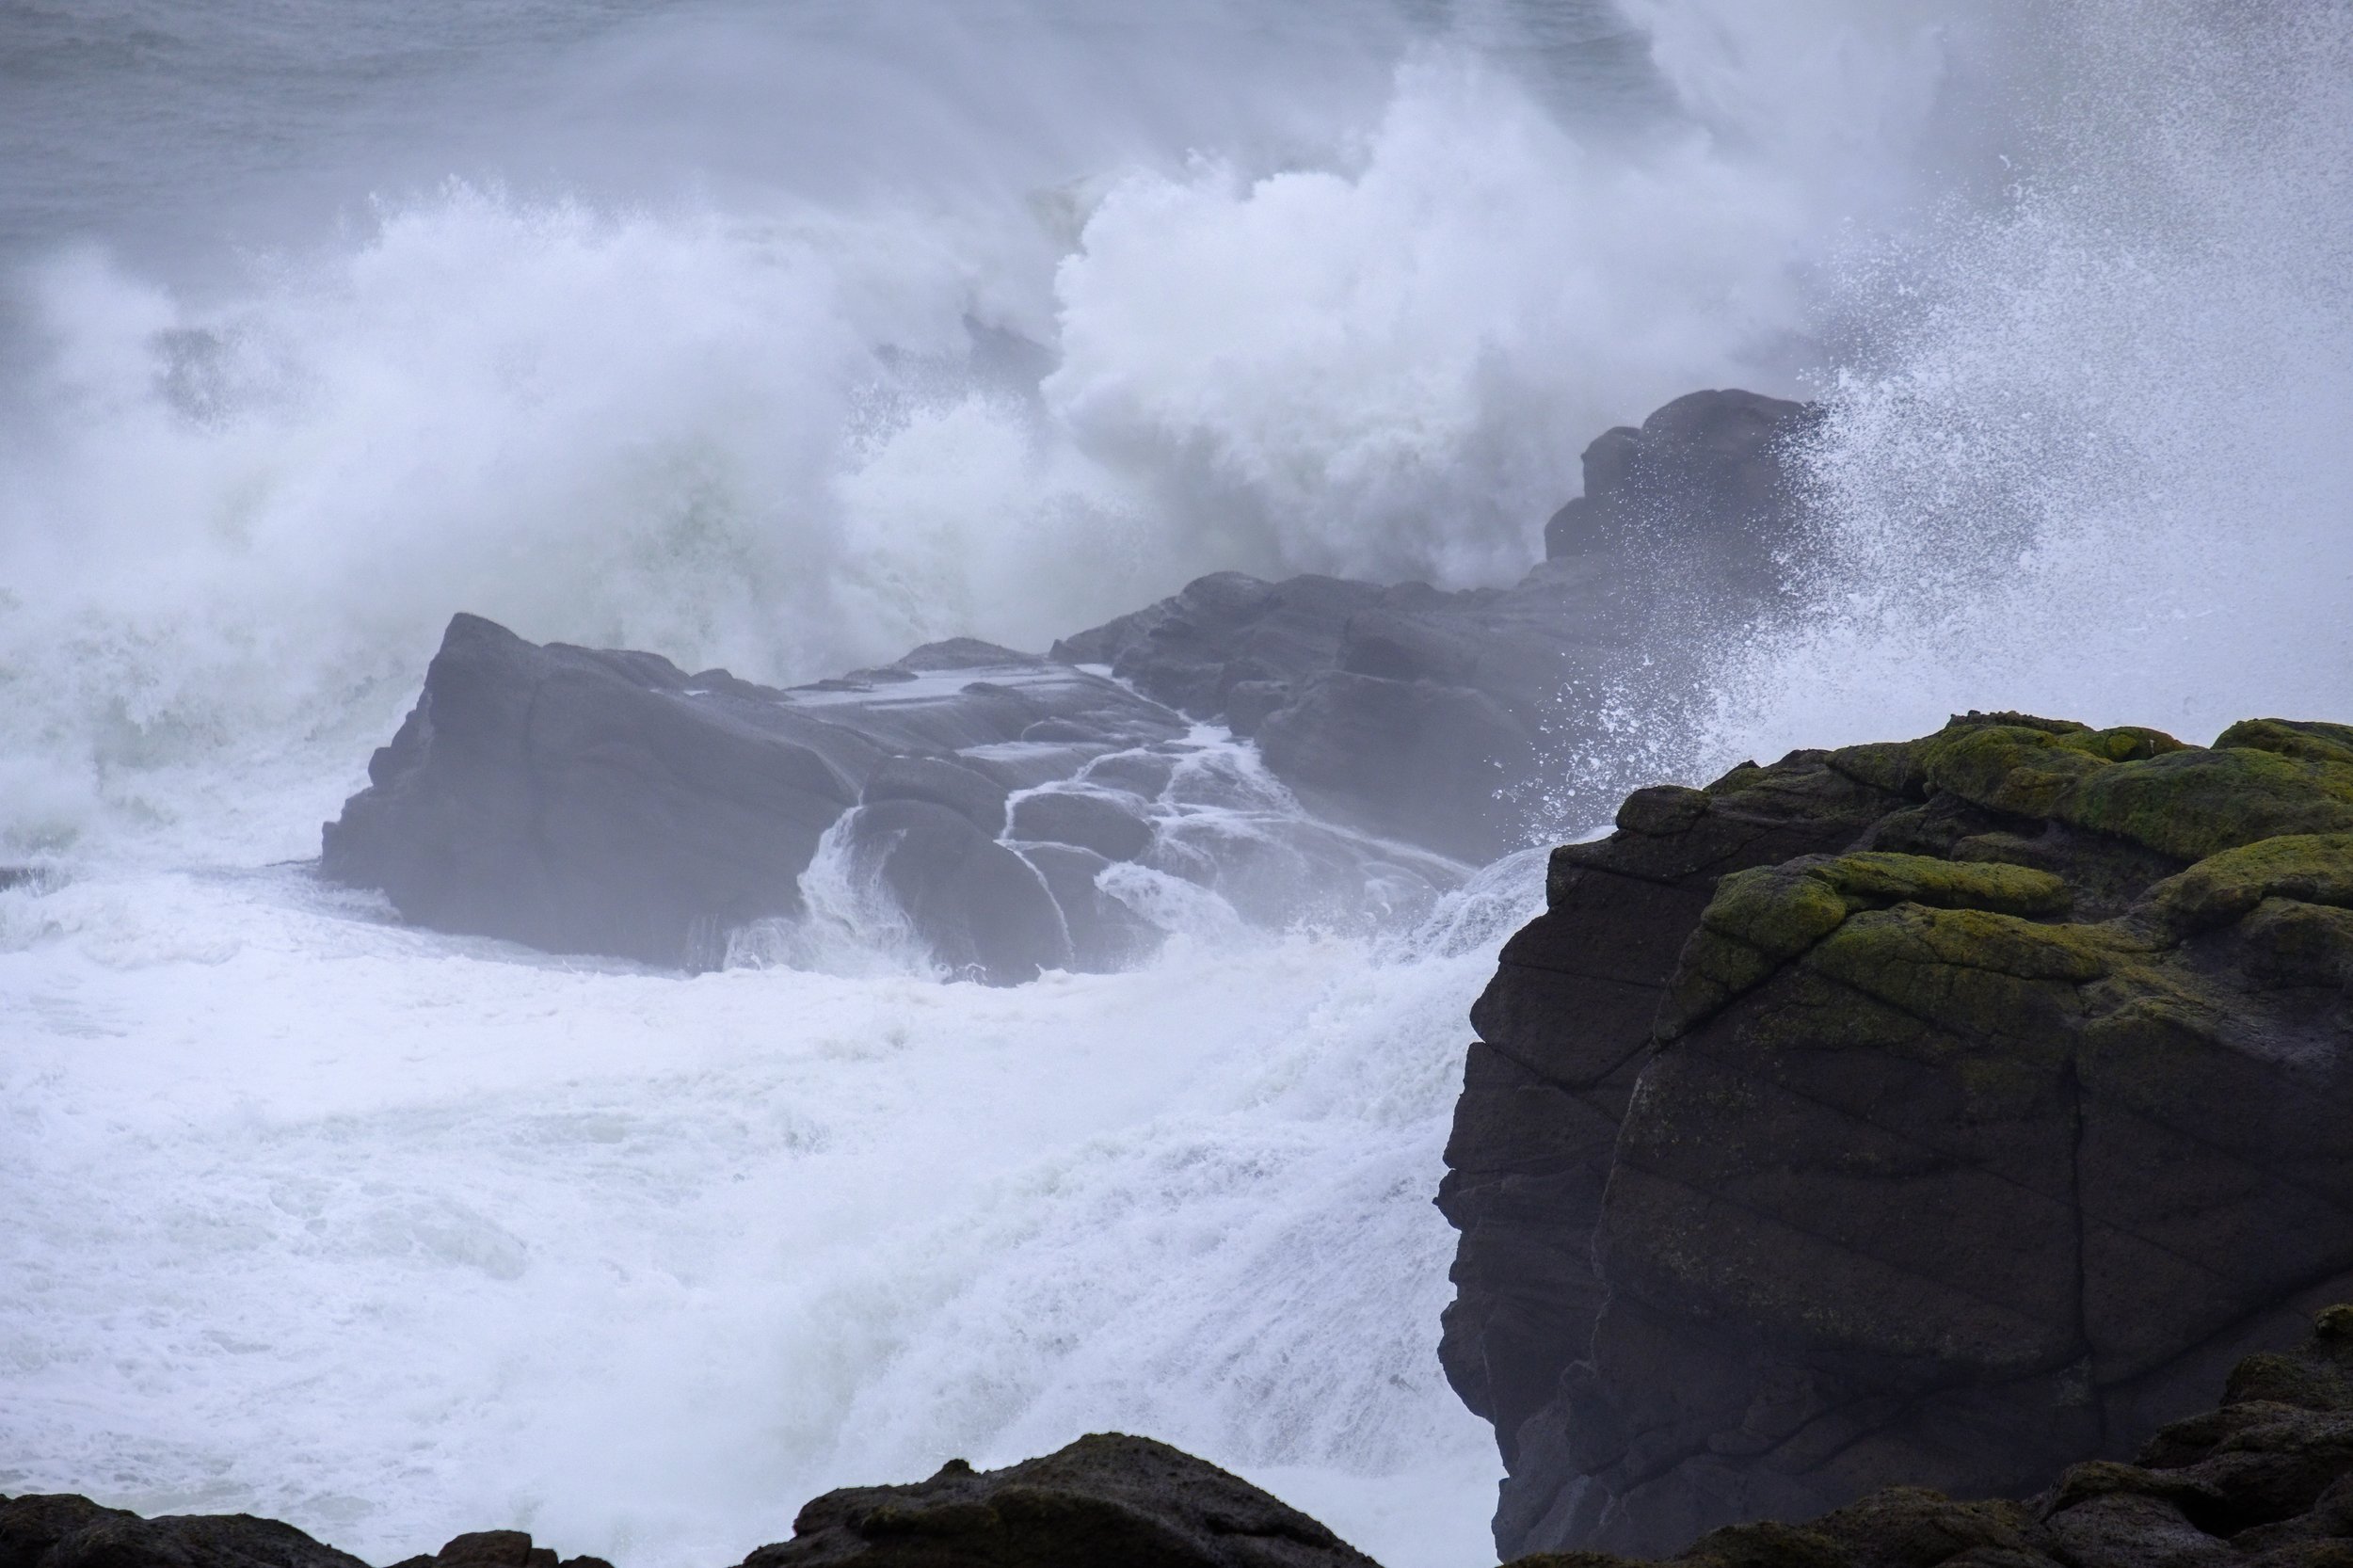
x,y
2090,462
786,338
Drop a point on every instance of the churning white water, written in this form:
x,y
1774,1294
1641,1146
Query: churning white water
x,y
787,337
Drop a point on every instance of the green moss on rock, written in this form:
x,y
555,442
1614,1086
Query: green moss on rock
x,y
1761,919
2025,773
1976,973
2299,944
2192,803
2306,739
2226,886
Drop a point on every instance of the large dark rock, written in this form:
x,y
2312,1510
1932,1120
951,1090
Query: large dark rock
x,y
61,1530
1086,818
1425,715
1939,1113
2264,1481
1105,1499
1416,714
600,801
583,801
983,910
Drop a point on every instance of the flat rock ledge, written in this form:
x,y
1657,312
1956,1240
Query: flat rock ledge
x,y
2264,1481
1939,1113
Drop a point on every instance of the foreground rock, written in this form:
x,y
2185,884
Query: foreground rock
x,y
1105,1499
601,802
1938,1114
2265,1481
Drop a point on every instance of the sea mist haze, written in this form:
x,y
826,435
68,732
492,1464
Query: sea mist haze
x,y
784,338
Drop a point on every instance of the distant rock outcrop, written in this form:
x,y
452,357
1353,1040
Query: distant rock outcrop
x,y
1401,711
1704,492
603,802
584,800
1939,1113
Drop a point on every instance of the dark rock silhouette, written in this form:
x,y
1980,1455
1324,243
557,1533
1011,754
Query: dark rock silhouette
x,y
581,801
1938,1112
1711,466
603,802
1106,1499
61,1531
2264,1481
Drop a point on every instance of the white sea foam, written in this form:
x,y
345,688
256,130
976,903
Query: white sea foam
x,y
394,1234
2095,466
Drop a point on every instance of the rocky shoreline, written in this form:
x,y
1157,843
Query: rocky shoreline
x,y
1950,1114
2266,1481
1865,1138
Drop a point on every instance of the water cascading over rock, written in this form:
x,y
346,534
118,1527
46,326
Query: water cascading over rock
x,y
592,801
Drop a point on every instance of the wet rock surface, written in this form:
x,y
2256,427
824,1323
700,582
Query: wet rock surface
x,y
586,801
1936,1113
1105,1499
2264,1481
63,1531
592,801
1711,465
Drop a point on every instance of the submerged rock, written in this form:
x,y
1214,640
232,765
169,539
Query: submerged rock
x,y
1938,1112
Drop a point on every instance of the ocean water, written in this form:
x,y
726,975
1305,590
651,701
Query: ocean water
x,y
787,336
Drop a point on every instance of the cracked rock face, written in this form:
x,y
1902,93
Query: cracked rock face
x,y
2264,1481
1940,1113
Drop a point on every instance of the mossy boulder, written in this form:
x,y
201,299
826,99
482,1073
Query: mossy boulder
x,y
1972,1135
